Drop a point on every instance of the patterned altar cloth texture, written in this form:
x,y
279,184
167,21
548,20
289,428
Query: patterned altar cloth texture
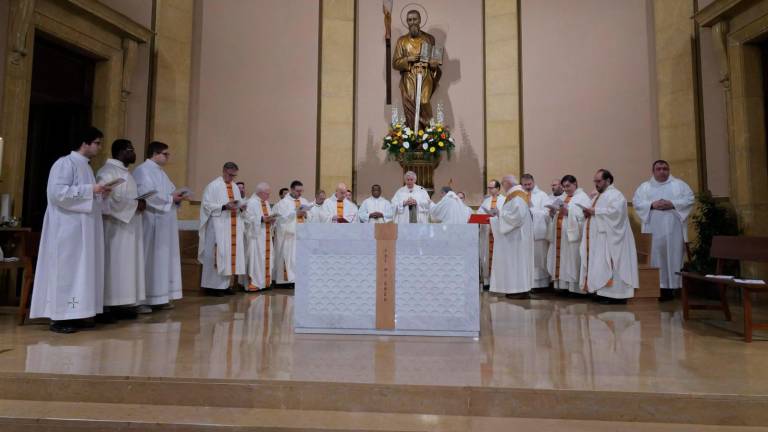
x,y
436,280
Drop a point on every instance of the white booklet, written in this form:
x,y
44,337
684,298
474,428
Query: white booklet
x,y
147,195
116,182
750,281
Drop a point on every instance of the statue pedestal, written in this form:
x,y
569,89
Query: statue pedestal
x,y
423,164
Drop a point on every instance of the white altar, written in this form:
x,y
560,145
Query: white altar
x,y
436,291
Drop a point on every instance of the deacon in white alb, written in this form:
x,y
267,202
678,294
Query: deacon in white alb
x,y
290,211
70,268
450,209
317,212
491,205
411,202
563,259
664,204
375,209
221,250
512,271
538,200
608,254
340,208
260,226
162,259
124,283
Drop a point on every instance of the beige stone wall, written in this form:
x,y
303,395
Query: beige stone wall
x,y
588,90
254,91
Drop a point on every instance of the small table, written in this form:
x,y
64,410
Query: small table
x,y
17,242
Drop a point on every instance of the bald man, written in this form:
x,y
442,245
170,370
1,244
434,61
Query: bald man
x,y
341,209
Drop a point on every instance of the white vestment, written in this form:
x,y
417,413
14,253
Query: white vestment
x,y
669,228
260,253
124,282
348,211
216,237
450,210
512,270
486,237
423,203
162,256
285,253
608,255
317,213
371,205
69,280
563,258
541,220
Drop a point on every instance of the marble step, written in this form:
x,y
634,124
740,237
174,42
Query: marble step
x,y
34,416
710,409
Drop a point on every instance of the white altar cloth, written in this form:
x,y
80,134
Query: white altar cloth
x,y
436,288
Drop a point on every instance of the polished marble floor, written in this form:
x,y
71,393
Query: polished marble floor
x,y
547,343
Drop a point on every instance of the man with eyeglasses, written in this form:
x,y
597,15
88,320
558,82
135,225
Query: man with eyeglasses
x,y
162,260
69,281
491,205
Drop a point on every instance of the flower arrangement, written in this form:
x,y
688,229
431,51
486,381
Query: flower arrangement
x,y
402,142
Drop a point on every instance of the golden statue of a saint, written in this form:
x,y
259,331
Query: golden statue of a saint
x,y
408,59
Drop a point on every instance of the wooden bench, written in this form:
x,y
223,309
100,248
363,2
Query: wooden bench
x,y
733,248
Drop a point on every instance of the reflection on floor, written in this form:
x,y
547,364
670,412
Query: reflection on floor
x,y
544,344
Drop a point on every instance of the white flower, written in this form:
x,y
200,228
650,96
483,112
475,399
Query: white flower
x,y
425,146
388,138
450,139
406,144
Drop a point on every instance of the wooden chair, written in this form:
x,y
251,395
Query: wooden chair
x,y
733,248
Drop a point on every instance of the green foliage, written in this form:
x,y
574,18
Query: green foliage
x,y
709,220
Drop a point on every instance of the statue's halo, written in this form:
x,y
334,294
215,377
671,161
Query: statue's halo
x,y
418,7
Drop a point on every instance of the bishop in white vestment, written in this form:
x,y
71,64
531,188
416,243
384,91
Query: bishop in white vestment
x,y
541,219
512,271
563,258
340,208
124,283
411,202
450,209
490,206
221,250
290,211
260,227
375,209
663,204
608,254
69,279
162,257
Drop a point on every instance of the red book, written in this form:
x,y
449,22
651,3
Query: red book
x,y
481,219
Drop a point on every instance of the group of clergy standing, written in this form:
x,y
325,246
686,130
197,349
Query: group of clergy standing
x,y
110,244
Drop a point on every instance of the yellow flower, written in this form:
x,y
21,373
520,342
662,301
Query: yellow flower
x,y
394,142
421,132
441,144
402,150
431,149
398,126
399,133
439,129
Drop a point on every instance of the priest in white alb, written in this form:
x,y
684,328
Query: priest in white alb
x,y
340,208
663,204
162,256
608,254
317,212
512,271
260,227
221,249
563,258
540,213
375,208
290,211
490,206
124,284
450,209
69,277
411,202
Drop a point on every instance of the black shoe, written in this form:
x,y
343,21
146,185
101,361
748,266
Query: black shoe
x,y
519,296
228,291
63,327
125,313
214,292
105,318
610,301
667,294
486,287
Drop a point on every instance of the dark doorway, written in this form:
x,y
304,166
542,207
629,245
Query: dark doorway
x,y
60,106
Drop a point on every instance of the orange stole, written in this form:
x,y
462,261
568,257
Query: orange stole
x,y
233,228
557,239
490,238
267,246
340,209
518,193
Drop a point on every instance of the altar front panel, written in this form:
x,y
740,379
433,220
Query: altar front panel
x,y
436,280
